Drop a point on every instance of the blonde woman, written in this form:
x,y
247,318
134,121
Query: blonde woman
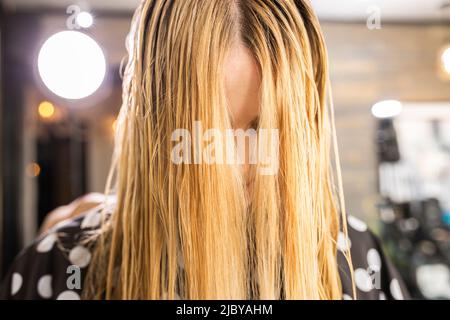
x,y
192,224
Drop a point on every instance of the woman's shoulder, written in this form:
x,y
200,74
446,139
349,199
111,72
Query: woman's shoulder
x,y
55,264
374,274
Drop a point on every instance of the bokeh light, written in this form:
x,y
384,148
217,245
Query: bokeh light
x,y
114,125
85,19
72,65
33,170
446,60
387,109
46,110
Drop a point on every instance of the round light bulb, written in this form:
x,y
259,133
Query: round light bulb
x,y
85,19
72,65
446,60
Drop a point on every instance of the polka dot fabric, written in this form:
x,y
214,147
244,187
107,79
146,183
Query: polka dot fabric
x,y
43,271
375,276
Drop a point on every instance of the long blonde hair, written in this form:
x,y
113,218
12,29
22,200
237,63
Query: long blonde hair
x,y
277,243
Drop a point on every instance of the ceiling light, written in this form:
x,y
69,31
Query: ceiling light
x,y
72,65
387,109
446,60
85,19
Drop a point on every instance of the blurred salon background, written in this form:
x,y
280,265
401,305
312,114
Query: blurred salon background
x,y
60,92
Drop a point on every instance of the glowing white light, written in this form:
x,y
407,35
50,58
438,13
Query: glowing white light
x,y
446,59
85,19
72,65
387,109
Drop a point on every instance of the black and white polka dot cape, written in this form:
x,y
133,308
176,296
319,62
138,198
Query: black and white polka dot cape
x,y
45,269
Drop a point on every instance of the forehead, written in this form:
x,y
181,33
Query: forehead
x,y
240,66
242,84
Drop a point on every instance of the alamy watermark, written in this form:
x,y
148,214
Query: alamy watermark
x,y
373,21
231,146
368,279
74,277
